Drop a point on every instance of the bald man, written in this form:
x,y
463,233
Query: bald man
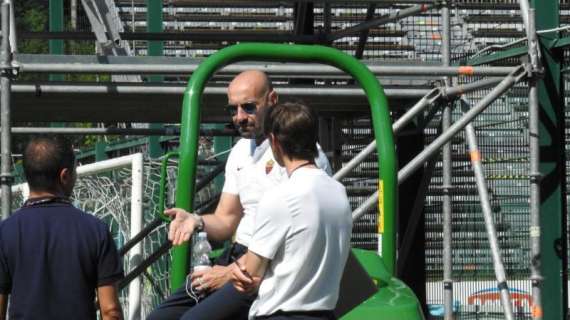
x,y
250,171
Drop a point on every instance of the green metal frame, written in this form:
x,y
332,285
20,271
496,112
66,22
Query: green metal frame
x,y
301,53
552,166
498,56
547,40
56,25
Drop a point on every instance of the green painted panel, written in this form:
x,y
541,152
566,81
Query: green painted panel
x,y
394,300
552,166
56,25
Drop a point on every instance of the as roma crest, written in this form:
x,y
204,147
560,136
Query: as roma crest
x,y
269,166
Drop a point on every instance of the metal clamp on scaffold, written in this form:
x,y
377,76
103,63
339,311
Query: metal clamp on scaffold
x,y
535,177
6,179
9,70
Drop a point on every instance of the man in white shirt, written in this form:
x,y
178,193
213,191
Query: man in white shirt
x,y
302,229
250,171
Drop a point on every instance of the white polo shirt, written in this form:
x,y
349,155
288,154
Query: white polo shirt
x,y
250,171
304,228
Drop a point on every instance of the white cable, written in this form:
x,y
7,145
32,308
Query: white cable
x,y
218,154
191,292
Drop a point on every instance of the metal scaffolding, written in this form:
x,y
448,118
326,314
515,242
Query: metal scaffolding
x,y
401,34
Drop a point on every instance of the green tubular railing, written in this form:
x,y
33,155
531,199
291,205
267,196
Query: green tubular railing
x,y
189,133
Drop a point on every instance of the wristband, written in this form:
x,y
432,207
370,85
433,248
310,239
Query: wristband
x,y
200,222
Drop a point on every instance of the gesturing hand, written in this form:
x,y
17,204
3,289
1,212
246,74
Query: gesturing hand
x,y
181,227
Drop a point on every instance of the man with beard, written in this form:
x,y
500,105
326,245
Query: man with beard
x,y
250,171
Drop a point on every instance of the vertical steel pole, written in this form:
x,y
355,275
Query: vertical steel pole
x,y
5,172
73,14
327,17
524,7
154,21
446,181
534,149
500,274
13,39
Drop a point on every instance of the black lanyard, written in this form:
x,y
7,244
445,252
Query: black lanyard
x,y
45,200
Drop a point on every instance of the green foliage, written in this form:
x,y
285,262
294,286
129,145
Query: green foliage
x,y
31,16
34,19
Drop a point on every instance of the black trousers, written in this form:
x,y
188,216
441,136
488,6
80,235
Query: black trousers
x,y
224,303
299,315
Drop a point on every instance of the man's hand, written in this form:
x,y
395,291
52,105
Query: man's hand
x,y
242,280
109,304
3,306
211,278
181,227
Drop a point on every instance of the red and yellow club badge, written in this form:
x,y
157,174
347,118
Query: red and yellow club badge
x,y
269,166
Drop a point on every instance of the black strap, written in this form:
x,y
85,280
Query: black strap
x,y
39,201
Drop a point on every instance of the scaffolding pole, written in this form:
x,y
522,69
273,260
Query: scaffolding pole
x,y
430,150
394,16
178,89
178,66
525,7
446,174
6,161
168,131
429,99
498,266
424,102
534,149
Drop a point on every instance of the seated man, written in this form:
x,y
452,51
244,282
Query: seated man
x,y
250,171
302,228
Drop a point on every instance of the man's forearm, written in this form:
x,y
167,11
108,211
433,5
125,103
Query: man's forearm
x,y
3,306
217,228
223,223
255,264
109,304
115,314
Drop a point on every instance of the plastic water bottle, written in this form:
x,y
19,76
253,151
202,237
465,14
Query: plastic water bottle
x,y
201,252
200,261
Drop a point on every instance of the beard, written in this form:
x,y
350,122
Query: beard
x,y
246,133
247,130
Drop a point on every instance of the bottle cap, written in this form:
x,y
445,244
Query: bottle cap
x,y
203,235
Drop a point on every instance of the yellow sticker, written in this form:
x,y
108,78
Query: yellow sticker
x,y
381,206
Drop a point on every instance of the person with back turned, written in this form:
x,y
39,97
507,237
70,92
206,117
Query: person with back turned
x,y
302,228
250,171
54,258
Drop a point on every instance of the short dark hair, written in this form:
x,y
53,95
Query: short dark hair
x,y
294,126
45,156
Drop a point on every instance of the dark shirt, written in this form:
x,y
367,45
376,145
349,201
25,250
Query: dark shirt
x,y
52,259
